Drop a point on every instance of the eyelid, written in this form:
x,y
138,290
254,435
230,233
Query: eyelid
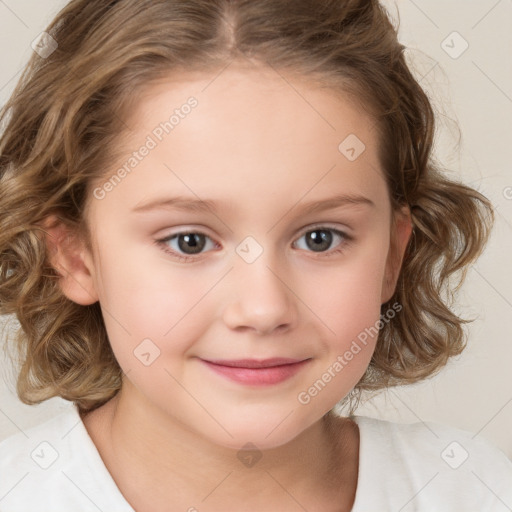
x,y
342,229
162,242
346,238
186,231
203,230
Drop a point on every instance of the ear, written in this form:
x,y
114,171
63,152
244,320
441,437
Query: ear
x,y
400,235
71,259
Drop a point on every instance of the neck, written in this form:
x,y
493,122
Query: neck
x,y
179,466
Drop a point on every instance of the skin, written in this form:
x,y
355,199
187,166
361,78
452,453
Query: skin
x,y
260,149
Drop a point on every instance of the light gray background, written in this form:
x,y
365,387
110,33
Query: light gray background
x,y
474,90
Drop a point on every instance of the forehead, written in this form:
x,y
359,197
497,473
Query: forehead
x,y
241,96
251,131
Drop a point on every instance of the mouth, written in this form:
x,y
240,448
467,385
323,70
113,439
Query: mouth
x,y
254,372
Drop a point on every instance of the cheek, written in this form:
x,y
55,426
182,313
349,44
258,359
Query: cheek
x,y
147,302
348,297
147,292
172,305
351,311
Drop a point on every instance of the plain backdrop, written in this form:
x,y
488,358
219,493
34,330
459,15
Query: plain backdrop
x,y
460,52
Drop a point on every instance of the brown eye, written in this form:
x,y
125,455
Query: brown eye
x,y
321,239
191,243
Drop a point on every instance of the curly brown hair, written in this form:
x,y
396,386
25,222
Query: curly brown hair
x,y
61,126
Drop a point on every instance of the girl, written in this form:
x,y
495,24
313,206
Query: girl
x,y
219,219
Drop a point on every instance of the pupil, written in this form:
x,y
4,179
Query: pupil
x,y
192,243
321,239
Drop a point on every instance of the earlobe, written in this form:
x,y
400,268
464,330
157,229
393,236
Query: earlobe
x,y
402,230
66,253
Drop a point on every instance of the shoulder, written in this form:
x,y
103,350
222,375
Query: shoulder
x,y
55,466
36,445
434,465
426,434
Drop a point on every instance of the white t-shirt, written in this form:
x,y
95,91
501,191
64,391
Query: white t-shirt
x,y
427,467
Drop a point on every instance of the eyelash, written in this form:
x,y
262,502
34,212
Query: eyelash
x,y
347,239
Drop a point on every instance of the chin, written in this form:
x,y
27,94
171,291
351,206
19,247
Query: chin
x,y
264,429
255,438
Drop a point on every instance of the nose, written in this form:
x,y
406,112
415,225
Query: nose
x,y
259,298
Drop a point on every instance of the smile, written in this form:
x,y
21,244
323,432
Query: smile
x,y
254,372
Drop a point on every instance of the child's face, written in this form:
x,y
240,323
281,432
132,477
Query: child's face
x,y
260,150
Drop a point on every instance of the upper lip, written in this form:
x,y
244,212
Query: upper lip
x,y
255,363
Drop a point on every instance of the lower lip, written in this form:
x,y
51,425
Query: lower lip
x,y
258,376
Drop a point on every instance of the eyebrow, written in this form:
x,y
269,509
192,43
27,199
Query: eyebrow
x,y
205,205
